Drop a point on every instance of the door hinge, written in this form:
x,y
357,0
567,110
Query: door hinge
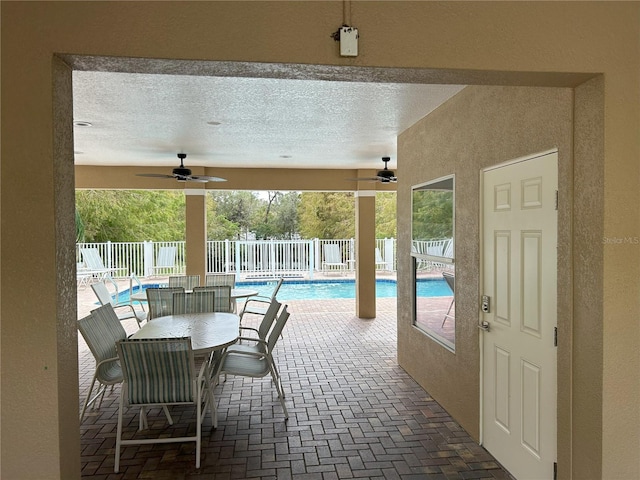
x,y
557,201
555,336
555,470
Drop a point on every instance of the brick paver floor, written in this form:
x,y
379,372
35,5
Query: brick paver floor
x,y
353,413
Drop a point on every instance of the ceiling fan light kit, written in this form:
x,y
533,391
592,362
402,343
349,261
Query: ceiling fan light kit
x,y
183,174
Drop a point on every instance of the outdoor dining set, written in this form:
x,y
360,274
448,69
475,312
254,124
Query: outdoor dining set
x,y
187,337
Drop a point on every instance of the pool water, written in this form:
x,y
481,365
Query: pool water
x,y
322,289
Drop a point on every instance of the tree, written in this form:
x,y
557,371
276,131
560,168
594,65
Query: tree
x,y
386,215
432,214
327,215
136,215
131,215
218,226
239,208
264,228
286,220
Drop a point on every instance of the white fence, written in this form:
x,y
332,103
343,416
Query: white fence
x,y
259,258
438,254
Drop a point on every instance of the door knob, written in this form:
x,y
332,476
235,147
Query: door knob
x,y
484,326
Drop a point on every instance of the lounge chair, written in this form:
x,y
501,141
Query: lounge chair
x,y
380,263
94,265
165,260
332,258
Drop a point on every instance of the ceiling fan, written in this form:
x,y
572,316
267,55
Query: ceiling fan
x,y
183,174
384,176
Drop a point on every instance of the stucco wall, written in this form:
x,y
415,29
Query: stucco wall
x,y
460,42
479,127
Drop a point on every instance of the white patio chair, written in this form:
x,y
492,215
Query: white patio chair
x,y
223,302
161,372
257,360
263,329
160,301
188,282
258,304
94,265
124,311
165,260
215,279
379,260
201,301
332,257
101,329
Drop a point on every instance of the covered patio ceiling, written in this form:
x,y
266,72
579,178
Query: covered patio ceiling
x,y
143,119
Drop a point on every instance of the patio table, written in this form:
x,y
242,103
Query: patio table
x,y
209,331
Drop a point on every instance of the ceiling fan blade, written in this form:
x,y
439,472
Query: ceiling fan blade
x,y
374,179
156,175
183,174
205,178
366,179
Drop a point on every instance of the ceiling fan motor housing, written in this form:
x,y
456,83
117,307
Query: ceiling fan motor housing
x,y
386,175
181,172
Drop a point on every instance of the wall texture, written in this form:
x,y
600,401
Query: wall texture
x,y
479,127
559,44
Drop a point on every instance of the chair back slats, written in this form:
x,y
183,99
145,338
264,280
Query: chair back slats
x,y
222,297
188,282
166,257
268,319
201,301
160,301
215,279
450,279
332,253
102,292
101,330
158,371
92,259
276,288
275,332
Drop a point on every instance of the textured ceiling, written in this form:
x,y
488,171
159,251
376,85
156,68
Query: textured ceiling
x,y
146,119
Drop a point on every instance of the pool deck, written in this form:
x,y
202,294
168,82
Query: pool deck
x,y
353,413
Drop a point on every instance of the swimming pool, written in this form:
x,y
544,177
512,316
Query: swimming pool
x,y
328,289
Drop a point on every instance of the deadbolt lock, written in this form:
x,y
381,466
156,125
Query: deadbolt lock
x,y
485,304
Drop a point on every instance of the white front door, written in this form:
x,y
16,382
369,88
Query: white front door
x,y
519,240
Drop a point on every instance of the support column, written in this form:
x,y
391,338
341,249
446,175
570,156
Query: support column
x,y
365,253
196,232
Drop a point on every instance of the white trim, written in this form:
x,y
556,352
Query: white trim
x,y
365,193
195,191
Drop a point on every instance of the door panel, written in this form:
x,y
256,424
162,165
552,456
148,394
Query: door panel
x,y
519,355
